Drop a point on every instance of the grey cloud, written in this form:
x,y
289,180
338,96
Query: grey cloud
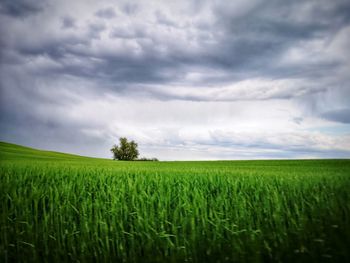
x,y
96,29
292,142
258,37
230,145
340,115
128,33
164,19
54,136
298,120
53,45
130,8
68,22
248,45
33,113
107,13
254,89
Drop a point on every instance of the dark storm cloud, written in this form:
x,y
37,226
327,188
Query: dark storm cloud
x,y
255,40
243,46
250,46
248,42
21,8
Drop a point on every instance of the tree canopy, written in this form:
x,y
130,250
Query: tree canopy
x,y
125,151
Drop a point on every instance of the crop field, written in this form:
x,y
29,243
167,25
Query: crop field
x,y
64,208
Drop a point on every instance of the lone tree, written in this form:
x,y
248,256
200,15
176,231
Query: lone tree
x,y
126,151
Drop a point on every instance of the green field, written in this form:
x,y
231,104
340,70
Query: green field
x,y
58,207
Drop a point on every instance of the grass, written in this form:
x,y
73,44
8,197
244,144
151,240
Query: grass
x,y
57,207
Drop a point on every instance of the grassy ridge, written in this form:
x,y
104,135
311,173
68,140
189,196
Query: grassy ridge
x,y
14,152
58,207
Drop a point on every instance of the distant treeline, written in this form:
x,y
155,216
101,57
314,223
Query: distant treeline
x,y
147,159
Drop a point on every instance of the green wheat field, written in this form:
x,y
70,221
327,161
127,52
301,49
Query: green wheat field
x,y
63,208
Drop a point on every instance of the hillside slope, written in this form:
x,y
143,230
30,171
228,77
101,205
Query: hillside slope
x,y
9,151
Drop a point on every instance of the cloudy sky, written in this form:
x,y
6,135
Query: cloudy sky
x,y
185,79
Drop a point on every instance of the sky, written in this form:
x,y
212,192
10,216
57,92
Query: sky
x,y
187,80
